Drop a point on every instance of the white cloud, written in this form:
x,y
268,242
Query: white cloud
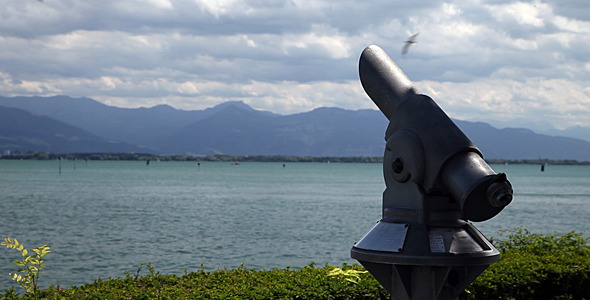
x,y
451,9
162,3
319,40
218,7
506,59
576,26
528,14
560,101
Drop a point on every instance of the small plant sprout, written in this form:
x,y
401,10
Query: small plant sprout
x,y
27,276
349,275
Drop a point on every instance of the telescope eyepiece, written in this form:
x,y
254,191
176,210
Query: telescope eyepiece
x,y
499,193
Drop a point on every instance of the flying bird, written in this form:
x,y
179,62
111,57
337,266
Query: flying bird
x,y
411,40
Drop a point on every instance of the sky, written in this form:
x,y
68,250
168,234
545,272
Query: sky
x,y
507,62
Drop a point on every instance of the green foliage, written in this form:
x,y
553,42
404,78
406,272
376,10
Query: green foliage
x,y
536,266
31,266
532,266
308,282
351,275
521,239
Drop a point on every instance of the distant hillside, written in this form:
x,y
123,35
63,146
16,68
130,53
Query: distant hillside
x,y
235,128
520,143
322,132
135,126
21,130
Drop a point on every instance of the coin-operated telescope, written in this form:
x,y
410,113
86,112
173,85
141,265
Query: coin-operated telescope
x,y
424,247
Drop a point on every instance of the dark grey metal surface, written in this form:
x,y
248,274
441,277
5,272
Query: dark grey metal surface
x,y
424,247
383,79
386,237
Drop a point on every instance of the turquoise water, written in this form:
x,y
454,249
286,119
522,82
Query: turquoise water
x,y
102,218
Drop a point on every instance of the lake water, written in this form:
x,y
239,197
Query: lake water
x,y
101,218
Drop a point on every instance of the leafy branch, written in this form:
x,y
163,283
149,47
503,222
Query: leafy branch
x,y
27,276
349,275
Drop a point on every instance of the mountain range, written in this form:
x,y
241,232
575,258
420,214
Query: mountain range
x,y
62,124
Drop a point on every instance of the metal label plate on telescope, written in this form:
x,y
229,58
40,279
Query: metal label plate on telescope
x,y
387,237
437,243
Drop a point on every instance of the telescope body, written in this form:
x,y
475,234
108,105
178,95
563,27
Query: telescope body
x,y
436,182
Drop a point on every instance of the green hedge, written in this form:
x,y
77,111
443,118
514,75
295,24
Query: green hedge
x,y
536,266
532,266
307,283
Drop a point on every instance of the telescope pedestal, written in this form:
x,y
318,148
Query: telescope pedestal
x,y
424,282
414,261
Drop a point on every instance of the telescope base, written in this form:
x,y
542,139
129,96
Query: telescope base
x,y
424,262
423,282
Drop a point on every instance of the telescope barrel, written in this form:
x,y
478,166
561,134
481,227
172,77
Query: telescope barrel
x,y
448,154
383,80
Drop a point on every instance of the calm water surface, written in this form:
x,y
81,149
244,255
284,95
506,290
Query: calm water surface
x,y
102,218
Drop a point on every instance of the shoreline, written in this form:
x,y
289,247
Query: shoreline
x,y
30,155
